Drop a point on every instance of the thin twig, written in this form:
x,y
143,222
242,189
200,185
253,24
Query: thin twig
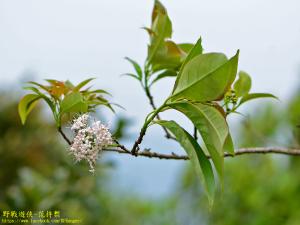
x,y
241,151
64,136
135,147
122,146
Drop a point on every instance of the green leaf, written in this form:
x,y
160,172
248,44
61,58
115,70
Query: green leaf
x,y
206,77
186,47
26,105
166,73
200,162
52,81
82,84
195,51
252,96
157,9
211,125
73,102
98,91
168,56
137,67
99,100
45,88
131,75
228,145
243,85
162,29
43,96
69,84
149,31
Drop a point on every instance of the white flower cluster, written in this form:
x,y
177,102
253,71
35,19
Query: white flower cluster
x,y
89,139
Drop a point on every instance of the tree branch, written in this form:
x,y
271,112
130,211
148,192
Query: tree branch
x,y
242,151
64,136
149,154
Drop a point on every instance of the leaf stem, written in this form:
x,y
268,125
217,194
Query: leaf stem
x,y
135,147
151,100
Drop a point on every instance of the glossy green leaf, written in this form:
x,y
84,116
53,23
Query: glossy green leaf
x,y
206,77
252,96
82,84
73,102
243,85
211,125
26,105
200,162
195,51
137,67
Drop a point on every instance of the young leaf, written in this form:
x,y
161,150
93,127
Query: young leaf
x,y
252,96
168,56
157,9
162,28
101,91
97,91
243,85
82,84
45,88
26,105
200,162
206,77
186,47
137,67
57,89
132,75
73,102
211,125
43,96
69,84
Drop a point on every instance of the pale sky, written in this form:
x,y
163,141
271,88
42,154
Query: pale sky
x,y
78,39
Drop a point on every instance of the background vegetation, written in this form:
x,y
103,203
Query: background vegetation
x,y
36,173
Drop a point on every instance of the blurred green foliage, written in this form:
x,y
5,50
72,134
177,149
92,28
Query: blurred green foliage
x,y
258,189
36,173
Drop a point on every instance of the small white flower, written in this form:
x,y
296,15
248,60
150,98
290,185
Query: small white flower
x,y
80,123
89,140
